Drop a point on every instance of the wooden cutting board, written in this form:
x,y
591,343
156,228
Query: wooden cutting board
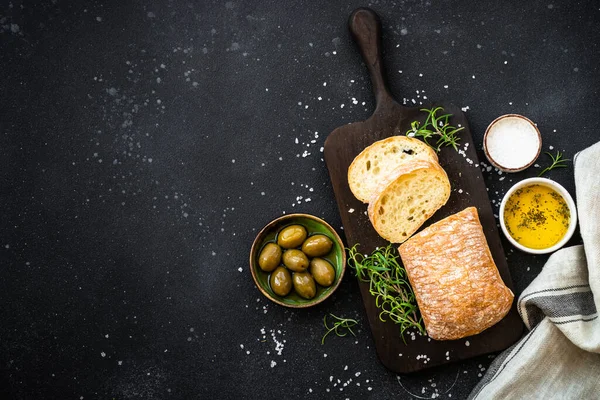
x,y
468,189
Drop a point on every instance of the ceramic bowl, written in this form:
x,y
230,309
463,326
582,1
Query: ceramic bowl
x,y
558,188
506,137
314,225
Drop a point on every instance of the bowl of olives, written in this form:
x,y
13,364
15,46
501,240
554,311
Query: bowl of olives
x,y
297,260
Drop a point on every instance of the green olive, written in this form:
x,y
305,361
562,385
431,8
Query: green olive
x,y
291,236
317,246
295,260
322,271
270,257
281,281
304,285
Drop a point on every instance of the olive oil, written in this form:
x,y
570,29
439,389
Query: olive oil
x,y
537,216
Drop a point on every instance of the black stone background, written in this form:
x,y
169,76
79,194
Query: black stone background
x,y
126,223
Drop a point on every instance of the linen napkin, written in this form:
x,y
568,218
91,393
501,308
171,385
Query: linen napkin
x,y
560,356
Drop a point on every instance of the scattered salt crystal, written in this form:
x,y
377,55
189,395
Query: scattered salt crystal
x,y
351,210
467,343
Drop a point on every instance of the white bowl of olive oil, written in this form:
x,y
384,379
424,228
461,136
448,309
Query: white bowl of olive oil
x,y
538,216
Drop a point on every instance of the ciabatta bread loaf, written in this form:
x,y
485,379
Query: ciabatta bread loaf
x,y
456,282
411,194
374,164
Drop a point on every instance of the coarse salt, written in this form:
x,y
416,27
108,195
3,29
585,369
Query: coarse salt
x,y
512,142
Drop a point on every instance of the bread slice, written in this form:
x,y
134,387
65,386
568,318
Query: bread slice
x,y
414,192
375,163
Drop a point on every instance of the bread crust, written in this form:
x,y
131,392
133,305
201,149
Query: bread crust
x,y
386,187
424,152
456,282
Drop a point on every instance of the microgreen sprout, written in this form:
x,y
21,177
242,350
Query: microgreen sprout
x,y
338,325
557,162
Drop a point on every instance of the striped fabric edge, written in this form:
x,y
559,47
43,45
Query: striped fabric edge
x,y
566,304
500,364
574,318
528,310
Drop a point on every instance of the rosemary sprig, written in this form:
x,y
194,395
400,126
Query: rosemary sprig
x,y
436,126
557,162
341,323
389,284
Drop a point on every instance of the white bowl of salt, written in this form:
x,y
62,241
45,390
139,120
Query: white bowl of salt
x,y
512,143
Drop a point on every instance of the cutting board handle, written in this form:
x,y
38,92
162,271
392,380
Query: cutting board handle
x,y
365,27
